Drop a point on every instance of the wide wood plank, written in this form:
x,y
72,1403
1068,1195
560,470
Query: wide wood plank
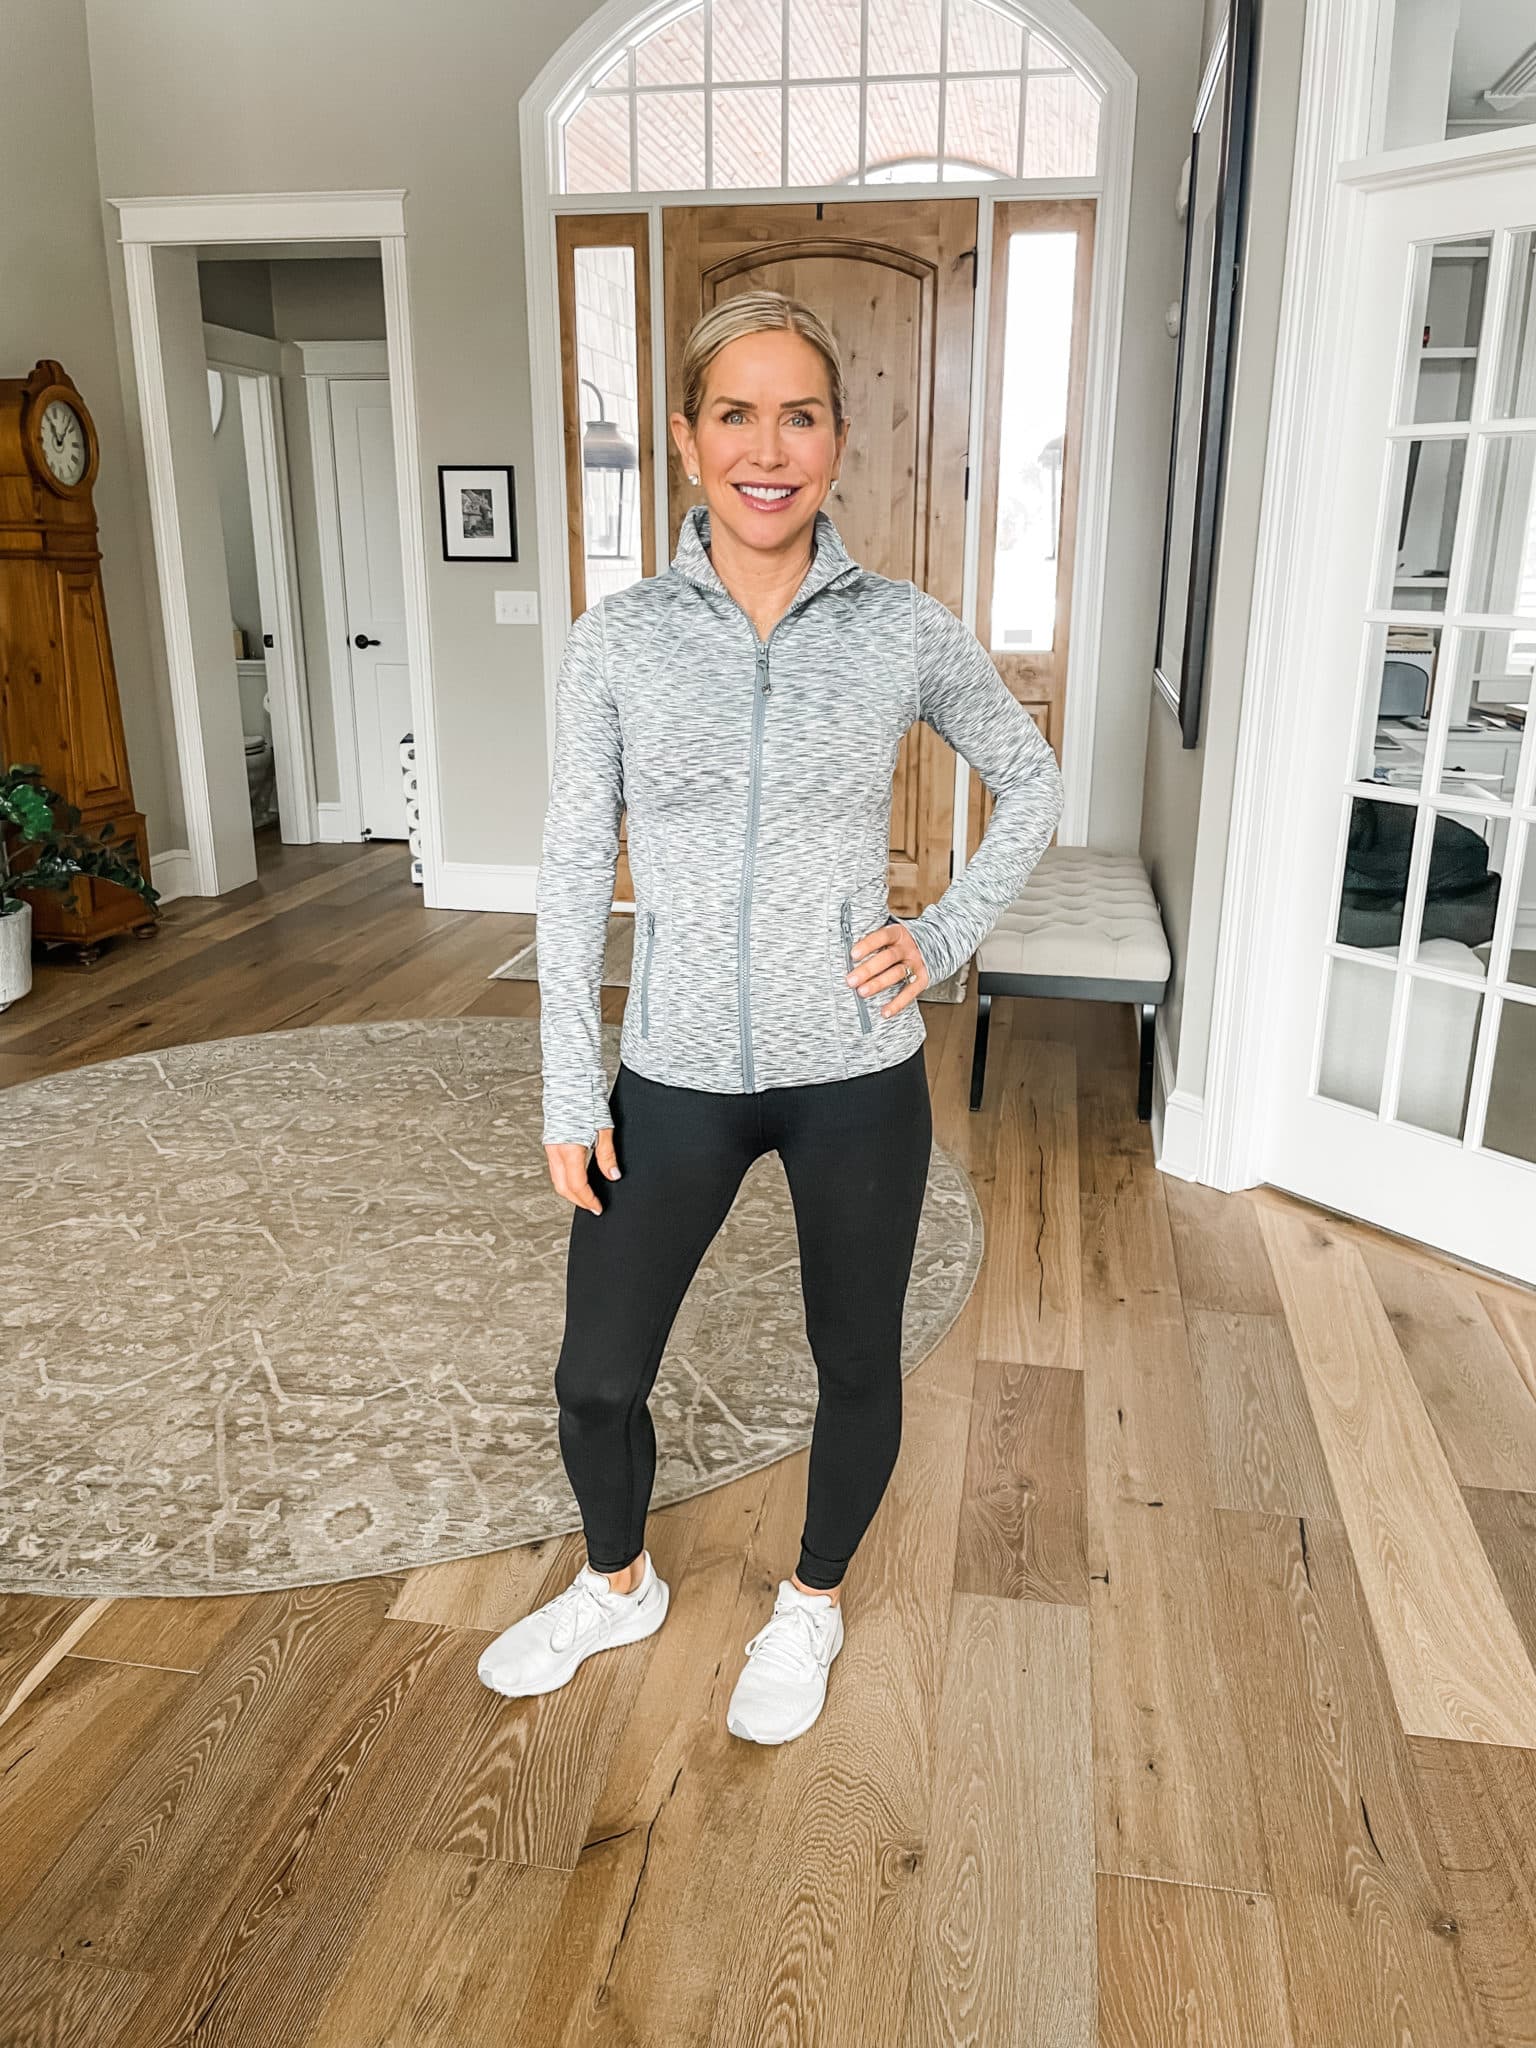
x,y
64,2001
1363,1907
1506,1527
1457,1665
1143,1416
444,1955
61,1755
1031,1282
1223,1265
1512,1312
1483,1412
1006,1940
175,1635
155,1859
280,1924
1173,1784
1189,1966
1022,1527
1261,1441
36,1632
1481,1799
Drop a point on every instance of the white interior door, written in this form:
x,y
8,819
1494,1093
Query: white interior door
x,y
363,435
1405,1082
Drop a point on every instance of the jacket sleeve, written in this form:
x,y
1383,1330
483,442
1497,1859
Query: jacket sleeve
x,y
574,893
966,701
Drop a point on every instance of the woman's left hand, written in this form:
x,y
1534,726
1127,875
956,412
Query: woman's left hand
x,y
887,958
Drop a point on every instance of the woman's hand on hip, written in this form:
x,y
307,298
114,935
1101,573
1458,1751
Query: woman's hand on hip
x,y
888,958
568,1169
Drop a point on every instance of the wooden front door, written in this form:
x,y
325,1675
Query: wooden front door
x,y
895,282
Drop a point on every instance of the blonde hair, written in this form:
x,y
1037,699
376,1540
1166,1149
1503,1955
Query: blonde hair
x,y
761,311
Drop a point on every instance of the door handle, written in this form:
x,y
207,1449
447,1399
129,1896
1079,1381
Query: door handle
x,y
362,640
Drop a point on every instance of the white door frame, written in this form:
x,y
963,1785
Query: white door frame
x,y
1342,79
144,224
546,98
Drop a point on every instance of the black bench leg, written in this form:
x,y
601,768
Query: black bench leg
x,y
1144,1086
979,1056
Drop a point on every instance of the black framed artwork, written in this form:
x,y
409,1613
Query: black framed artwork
x,y
479,508
1213,237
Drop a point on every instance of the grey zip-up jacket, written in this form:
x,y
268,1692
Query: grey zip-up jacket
x,y
757,776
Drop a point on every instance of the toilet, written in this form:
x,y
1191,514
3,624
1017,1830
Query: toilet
x,y
256,719
260,778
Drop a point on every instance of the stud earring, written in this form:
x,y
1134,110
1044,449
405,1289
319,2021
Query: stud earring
x,y
693,479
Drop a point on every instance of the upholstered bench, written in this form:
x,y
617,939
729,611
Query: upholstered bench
x,y
1085,924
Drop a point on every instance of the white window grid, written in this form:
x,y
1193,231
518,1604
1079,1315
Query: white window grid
x,y
615,78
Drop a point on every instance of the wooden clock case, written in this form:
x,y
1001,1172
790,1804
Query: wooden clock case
x,y
58,688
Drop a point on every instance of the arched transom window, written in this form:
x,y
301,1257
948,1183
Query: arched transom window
x,y
740,93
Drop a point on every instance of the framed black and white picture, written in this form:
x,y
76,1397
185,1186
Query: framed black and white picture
x,y
1213,233
479,513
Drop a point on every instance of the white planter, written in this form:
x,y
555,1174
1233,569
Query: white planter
x,y
15,955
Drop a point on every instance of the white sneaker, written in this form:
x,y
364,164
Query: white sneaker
x,y
781,1690
540,1652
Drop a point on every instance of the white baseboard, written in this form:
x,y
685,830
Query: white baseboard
x,y
170,871
485,885
328,824
1178,1118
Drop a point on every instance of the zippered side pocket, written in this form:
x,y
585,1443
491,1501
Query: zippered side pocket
x,y
847,917
645,977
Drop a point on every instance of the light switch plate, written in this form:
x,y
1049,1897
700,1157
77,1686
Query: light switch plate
x,y
517,607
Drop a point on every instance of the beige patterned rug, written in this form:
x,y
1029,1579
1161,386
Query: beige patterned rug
x,y
285,1309
619,956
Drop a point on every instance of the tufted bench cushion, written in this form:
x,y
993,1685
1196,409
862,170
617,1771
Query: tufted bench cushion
x,y
1083,916
1085,924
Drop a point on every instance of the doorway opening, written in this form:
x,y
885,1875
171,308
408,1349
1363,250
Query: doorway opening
x,y
272,343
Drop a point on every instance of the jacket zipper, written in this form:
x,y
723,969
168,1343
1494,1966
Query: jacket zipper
x,y
645,979
760,691
862,1001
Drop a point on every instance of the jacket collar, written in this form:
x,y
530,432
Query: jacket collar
x,y
691,561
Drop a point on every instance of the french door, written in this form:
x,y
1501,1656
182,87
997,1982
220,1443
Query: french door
x,y
1404,1090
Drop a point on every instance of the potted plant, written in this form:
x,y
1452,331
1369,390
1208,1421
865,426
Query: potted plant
x,y
46,856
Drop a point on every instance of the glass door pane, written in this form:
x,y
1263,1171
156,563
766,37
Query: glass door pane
x,y
605,363
1428,1019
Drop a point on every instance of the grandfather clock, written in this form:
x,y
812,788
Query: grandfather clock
x,y
58,689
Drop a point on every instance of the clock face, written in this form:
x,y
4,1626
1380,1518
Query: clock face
x,y
65,449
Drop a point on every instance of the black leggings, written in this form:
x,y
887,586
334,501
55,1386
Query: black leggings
x,y
855,1154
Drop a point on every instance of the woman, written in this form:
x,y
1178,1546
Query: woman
x,y
746,707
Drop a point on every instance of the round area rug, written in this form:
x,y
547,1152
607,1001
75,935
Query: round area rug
x,y
281,1310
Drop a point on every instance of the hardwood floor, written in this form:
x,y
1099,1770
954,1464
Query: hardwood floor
x,y
1187,1694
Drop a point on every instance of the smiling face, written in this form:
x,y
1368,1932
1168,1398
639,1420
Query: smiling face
x,y
764,447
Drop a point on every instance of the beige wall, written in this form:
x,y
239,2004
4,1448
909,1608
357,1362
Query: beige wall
x,y
55,303
425,98
1188,793
1161,43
